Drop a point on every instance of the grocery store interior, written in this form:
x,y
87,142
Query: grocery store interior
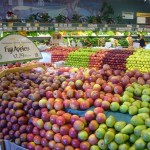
x,y
75,75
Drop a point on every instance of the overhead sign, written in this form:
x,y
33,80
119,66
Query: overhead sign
x,y
139,14
18,48
128,15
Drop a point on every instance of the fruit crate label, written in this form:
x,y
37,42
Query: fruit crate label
x,y
28,24
17,48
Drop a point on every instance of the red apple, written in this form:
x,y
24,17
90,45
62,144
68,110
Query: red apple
x,y
75,143
57,137
98,110
85,145
73,133
93,139
89,115
49,135
100,117
105,105
93,125
98,102
64,130
66,140
55,128
37,139
60,120
57,94
78,125
74,104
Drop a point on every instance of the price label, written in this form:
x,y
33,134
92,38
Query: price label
x,y
19,28
46,28
80,25
61,25
34,28
28,24
10,24
5,28
18,48
69,25
129,26
36,24
9,28
56,25
25,28
30,28
42,28
65,25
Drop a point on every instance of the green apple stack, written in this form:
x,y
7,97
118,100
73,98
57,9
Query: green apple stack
x,y
80,58
139,60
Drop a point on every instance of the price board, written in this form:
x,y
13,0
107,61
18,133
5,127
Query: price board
x,y
17,48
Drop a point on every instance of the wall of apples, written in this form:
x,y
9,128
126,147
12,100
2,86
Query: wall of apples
x,y
125,59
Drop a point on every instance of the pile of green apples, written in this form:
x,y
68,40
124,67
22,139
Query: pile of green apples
x,y
119,135
139,60
80,58
135,99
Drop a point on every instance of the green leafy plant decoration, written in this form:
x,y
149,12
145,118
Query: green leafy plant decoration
x,y
60,18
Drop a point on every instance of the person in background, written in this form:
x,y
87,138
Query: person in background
x,y
130,40
142,41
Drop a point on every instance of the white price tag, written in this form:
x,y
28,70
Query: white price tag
x,y
65,25
19,28
56,25
42,28
25,28
129,26
69,25
61,25
10,29
28,24
34,28
30,28
46,28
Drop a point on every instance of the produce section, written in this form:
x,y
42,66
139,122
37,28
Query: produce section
x,y
98,100
73,108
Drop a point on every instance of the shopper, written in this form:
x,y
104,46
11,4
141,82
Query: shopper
x,y
130,40
142,41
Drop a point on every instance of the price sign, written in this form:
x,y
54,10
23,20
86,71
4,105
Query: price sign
x,y
19,28
28,24
18,48
34,28
10,24
36,24
42,28
69,25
